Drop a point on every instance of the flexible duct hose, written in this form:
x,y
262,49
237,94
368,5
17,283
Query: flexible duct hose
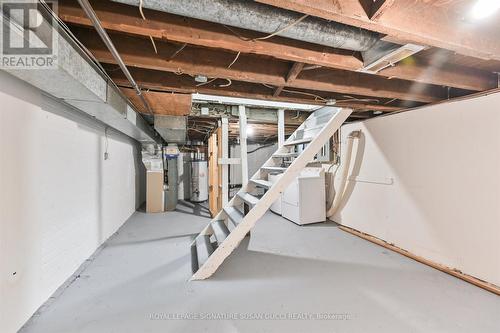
x,y
344,174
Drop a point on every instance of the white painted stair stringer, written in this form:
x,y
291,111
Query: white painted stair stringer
x,y
206,269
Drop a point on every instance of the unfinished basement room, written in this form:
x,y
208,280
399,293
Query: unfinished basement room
x,y
252,166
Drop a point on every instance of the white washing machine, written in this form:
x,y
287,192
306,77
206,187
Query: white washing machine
x,y
303,202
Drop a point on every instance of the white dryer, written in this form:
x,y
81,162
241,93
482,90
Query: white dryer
x,y
303,202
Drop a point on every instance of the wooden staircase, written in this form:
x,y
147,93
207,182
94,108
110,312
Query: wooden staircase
x,y
228,228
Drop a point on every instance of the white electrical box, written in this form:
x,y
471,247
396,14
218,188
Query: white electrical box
x,y
303,202
205,111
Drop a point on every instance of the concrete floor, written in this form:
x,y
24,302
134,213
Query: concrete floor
x,y
288,274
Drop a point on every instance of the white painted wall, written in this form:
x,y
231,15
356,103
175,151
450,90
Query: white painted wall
x,y
255,160
444,204
59,198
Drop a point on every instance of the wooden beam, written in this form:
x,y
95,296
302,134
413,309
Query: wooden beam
x,y
375,8
278,91
220,203
294,72
405,21
261,131
367,107
136,52
169,82
379,7
161,103
125,19
290,76
122,18
424,72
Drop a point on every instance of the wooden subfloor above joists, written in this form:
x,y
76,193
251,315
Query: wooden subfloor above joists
x,y
442,24
169,82
137,53
122,18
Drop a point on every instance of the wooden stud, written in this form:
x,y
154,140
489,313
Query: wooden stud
x,y
219,169
213,175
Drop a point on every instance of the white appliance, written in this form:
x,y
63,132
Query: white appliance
x,y
303,202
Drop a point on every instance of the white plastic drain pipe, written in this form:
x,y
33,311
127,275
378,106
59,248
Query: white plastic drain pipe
x,y
345,166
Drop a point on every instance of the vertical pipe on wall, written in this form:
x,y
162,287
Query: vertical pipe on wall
x,y
281,127
225,155
345,166
243,145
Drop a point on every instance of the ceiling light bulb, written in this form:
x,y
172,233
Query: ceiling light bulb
x,y
484,8
249,130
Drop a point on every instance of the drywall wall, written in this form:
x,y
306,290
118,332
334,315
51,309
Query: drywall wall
x,y
257,155
428,180
59,198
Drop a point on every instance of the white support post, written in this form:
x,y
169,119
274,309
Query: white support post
x,y
281,127
243,145
225,155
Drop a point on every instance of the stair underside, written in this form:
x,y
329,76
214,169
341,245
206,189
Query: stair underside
x,y
315,132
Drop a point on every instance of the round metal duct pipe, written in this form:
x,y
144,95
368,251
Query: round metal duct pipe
x,y
247,14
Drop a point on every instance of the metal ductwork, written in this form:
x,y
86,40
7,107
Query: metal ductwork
x,y
251,15
75,80
173,129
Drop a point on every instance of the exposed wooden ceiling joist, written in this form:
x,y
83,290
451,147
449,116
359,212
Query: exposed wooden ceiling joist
x,y
168,82
136,52
406,21
377,8
294,72
159,25
261,132
170,104
290,76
